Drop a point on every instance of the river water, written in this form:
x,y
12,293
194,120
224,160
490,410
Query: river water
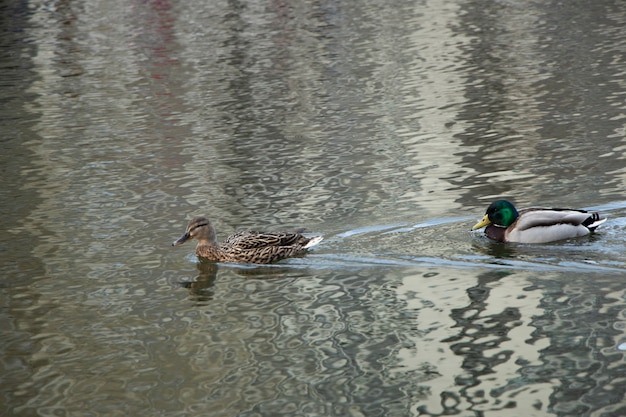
x,y
388,127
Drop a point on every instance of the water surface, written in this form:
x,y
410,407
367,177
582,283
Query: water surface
x,y
386,128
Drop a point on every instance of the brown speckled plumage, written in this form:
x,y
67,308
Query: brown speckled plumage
x,y
248,247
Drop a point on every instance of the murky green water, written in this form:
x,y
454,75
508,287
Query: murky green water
x,y
388,128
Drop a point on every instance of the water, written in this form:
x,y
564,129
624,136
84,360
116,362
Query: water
x,y
386,128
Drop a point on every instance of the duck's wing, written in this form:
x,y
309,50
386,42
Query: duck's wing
x,y
543,217
262,255
255,240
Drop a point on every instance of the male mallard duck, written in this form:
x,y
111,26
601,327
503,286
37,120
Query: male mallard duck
x,y
536,225
249,247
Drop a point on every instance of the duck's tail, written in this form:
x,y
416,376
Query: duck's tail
x,y
314,241
594,221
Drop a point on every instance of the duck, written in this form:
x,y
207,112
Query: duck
x,y
504,223
249,247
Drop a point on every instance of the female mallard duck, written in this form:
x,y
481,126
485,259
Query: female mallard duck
x,y
536,225
248,247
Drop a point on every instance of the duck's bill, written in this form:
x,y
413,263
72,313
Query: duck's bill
x,y
182,240
484,222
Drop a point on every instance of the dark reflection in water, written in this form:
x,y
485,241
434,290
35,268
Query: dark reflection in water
x,y
479,344
201,288
496,250
21,321
17,122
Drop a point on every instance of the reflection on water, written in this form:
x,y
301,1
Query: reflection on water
x,y
386,129
581,327
201,288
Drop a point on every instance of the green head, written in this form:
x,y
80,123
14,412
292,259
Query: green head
x,y
501,213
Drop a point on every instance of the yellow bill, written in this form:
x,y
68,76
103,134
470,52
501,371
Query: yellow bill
x,y
484,222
